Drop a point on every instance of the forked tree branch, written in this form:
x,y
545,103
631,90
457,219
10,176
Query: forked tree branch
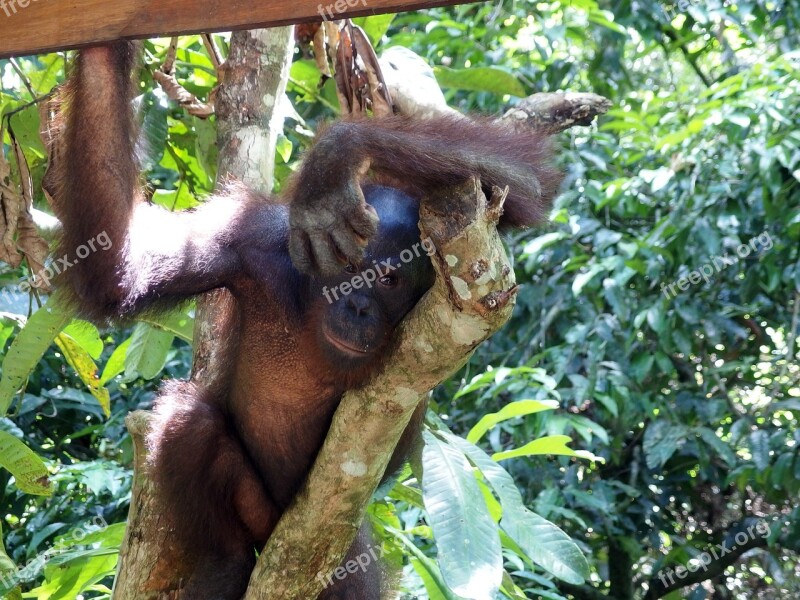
x,y
471,299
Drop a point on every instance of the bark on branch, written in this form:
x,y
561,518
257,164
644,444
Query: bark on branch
x,y
558,111
471,299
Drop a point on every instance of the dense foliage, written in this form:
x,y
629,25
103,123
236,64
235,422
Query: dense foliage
x,y
645,395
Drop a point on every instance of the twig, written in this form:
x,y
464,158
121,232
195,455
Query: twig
x,y
22,76
168,66
658,586
690,58
33,102
165,76
213,51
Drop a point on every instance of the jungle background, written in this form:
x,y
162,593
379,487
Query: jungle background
x,y
656,426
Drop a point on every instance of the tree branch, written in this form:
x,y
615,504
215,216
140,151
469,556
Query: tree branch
x,y
667,581
581,592
472,298
558,111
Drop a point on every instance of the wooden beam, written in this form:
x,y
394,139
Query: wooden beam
x,y
37,26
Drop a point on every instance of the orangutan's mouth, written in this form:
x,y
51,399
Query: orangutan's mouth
x,y
339,344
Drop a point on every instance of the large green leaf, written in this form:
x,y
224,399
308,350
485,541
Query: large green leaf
x,y
24,464
147,353
549,444
480,79
468,542
116,362
80,360
29,346
8,588
509,411
176,322
661,440
544,543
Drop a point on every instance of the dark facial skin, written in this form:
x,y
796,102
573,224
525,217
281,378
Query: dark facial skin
x,y
365,302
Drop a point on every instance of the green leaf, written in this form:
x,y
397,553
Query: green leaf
x,y
80,360
468,542
206,145
375,26
175,200
540,242
655,318
154,127
509,411
583,278
759,447
425,567
284,148
24,464
480,79
305,74
661,440
29,346
116,362
642,365
609,403
147,353
176,322
434,591
68,575
8,568
550,444
26,129
544,543
720,447
86,336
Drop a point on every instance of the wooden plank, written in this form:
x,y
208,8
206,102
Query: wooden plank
x,y
37,26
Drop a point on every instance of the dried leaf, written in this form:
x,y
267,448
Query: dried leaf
x,y
50,127
359,79
319,45
29,242
11,203
378,93
343,74
332,38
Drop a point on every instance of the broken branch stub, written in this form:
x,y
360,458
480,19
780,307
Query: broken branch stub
x,y
558,111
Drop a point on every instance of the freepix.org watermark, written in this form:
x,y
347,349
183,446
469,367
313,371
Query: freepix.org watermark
x,y
362,561
338,8
704,559
760,242
100,242
371,274
31,569
10,7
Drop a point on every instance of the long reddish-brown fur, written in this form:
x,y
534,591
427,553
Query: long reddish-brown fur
x,y
228,460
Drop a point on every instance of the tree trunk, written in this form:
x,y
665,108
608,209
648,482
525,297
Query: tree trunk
x,y
254,81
